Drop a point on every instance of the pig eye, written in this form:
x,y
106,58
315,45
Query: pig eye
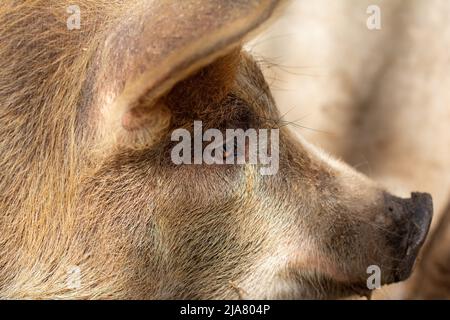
x,y
234,152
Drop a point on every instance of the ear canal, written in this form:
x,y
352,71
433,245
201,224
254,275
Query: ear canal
x,y
160,42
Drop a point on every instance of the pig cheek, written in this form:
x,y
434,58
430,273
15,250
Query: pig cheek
x,y
318,263
309,258
339,252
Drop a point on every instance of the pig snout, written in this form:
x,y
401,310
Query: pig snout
x,y
409,221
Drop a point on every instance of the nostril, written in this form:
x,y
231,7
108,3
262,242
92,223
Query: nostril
x,y
411,221
396,208
419,205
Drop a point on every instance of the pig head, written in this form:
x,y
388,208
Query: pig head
x,y
87,182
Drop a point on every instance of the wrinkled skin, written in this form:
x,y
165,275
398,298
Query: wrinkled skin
x,y
87,179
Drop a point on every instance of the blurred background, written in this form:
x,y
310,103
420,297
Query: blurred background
x,y
369,82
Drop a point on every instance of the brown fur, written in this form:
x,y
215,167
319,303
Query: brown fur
x,y
86,178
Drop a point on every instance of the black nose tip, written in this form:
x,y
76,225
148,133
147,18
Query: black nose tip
x,y
421,208
417,219
412,219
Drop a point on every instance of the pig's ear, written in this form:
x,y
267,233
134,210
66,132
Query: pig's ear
x,y
158,43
